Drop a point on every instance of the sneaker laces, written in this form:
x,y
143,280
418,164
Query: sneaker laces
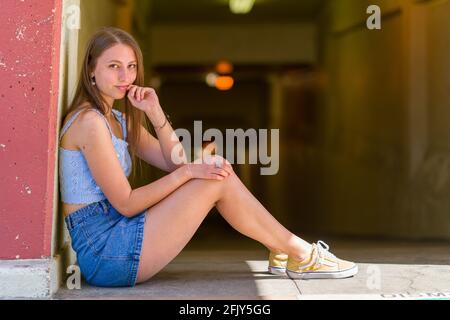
x,y
322,251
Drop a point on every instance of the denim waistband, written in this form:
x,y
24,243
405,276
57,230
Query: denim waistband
x,y
76,217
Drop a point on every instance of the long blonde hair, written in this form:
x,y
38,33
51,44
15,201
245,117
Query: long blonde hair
x,y
102,40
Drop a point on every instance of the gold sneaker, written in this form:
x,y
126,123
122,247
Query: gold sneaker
x,y
321,265
277,263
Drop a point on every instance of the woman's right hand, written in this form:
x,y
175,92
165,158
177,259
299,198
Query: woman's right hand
x,y
206,168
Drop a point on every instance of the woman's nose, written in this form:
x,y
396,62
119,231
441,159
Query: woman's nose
x,y
122,75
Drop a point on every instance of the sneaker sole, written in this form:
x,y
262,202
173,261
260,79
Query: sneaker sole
x,y
277,271
323,275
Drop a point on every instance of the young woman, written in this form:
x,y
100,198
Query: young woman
x,y
123,236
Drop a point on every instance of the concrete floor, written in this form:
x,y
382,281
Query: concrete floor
x,y
236,268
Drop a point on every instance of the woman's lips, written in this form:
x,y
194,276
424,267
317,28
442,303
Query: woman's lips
x,y
122,88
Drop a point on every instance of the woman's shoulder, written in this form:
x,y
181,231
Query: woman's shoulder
x,y
73,135
81,107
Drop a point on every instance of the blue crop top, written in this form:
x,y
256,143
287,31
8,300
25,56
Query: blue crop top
x,y
77,185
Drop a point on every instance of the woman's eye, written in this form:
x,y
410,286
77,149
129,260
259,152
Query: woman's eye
x,y
113,66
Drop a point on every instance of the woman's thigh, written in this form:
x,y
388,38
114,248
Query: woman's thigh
x,y
172,222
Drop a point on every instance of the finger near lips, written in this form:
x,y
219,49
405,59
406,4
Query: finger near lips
x,y
131,92
145,91
137,94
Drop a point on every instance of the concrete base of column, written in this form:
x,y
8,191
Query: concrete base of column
x,y
33,278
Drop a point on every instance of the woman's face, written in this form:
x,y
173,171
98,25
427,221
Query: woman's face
x,y
115,70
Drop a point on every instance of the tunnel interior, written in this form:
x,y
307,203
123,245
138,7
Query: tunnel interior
x,y
364,150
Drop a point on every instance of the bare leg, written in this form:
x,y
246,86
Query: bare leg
x,y
247,215
172,222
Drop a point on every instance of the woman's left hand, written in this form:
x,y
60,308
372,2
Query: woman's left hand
x,y
144,99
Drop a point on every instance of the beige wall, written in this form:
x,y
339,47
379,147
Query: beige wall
x,y
94,14
427,200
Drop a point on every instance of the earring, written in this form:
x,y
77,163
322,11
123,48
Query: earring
x,y
93,81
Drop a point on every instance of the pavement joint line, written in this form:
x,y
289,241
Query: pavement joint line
x,y
297,286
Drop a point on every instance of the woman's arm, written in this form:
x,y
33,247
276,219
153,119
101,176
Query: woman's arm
x,y
165,132
145,99
149,150
100,154
150,194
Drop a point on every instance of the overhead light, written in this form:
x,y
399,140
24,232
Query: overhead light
x,y
241,6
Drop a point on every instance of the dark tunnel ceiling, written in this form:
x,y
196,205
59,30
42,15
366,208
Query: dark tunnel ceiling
x,y
217,11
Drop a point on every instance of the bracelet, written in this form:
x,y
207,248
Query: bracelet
x,y
165,121
167,118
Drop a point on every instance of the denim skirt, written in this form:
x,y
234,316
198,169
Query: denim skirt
x,y
107,244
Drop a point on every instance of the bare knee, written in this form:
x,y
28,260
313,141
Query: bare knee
x,y
213,189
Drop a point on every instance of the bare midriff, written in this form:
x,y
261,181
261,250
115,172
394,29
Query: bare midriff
x,y
68,208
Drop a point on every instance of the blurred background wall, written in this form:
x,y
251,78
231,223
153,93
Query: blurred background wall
x,y
384,161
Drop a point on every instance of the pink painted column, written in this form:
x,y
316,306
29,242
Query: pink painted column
x,y
29,71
